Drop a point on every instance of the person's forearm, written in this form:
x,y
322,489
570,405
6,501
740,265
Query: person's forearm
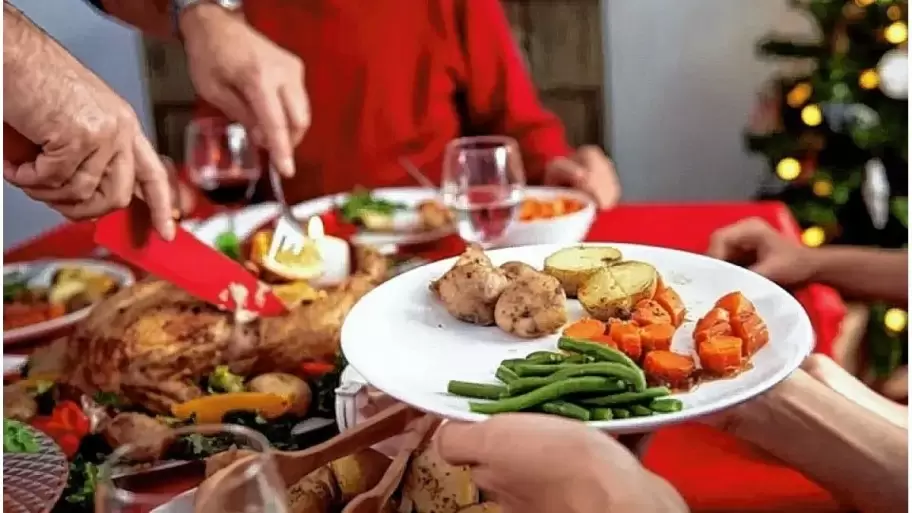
x,y
856,455
31,60
863,273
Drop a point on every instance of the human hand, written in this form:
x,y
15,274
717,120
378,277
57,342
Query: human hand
x,y
591,171
249,78
94,156
753,242
537,463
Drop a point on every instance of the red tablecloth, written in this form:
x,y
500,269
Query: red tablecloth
x,y
713,471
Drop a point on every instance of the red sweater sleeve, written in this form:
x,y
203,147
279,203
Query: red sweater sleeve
x,y
501,98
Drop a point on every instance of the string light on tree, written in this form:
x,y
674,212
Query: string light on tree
x,y
788,169
822,188
894,12
811,115
813,237
868,79
799,94
896,320
896,32
893,70
863,3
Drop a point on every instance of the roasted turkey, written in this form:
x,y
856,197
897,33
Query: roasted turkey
x,y
152,343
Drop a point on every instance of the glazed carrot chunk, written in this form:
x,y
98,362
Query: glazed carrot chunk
x,y
586,328
649,312
669,299
734,303
720,355
605,340
627,337
713,331
673,369
657,337
750,328
713,317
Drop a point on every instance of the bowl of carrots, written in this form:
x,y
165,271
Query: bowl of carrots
x,y
551,215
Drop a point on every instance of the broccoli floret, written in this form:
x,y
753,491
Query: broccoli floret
x,y
222,380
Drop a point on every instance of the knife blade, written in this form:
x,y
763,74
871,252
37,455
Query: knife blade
x,y
186,262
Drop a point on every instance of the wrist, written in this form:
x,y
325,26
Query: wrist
x,y
203,15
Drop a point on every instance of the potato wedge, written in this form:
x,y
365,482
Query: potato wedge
x,y
572,266
432,485
359,472
613,291
315,493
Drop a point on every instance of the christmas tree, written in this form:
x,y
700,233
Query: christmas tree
x,y
833,127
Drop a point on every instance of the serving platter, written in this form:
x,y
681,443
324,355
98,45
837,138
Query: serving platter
x,y
403,341
32,483
41,273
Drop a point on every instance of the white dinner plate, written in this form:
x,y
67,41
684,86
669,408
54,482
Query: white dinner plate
x,y
402,341
247,220
46,270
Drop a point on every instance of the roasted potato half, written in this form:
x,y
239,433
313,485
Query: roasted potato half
x,y
432,485
484,507
573,266
613,291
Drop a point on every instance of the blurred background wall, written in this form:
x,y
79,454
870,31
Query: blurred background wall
x,y
665,85
111,51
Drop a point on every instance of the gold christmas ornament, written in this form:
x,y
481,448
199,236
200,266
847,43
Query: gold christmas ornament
x,y
868,79
799,94
822,188
813,237
896,319
811,115
788,169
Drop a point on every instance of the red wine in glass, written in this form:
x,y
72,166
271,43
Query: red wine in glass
x,y
228,191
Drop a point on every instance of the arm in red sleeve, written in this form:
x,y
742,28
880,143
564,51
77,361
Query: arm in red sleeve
x,y
499,91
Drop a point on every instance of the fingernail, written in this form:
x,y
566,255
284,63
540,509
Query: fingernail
x,y
287,167
169,230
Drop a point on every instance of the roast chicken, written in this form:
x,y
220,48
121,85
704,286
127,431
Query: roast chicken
x,y
152,343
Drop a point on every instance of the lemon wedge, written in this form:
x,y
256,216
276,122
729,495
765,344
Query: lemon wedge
x,y
306,265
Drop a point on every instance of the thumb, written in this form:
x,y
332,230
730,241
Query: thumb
x,y
567,173
766,267
461,443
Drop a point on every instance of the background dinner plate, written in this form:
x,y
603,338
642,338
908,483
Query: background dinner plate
x,y
43,279
402,341
32,483
247,220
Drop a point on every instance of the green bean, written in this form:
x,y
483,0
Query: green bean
x,y
476,390
601,414
597,351
565,409
506,375
669,405
579,358
552,392
609,369
620,413
544,357
640,411
511,362
538,369
627,397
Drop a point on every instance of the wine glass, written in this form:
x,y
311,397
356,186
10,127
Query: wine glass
x,y
223,163
483,183
256,487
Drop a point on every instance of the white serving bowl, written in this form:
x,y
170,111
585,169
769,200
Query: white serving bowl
x,y
564,229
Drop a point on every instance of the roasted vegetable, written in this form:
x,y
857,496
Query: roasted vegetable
x,y
573,266
222,380
586,329
721,355
295,390
17,438
614,291
359,472
18,403
148,436
667,368
315,493
432,485
211,408
484,507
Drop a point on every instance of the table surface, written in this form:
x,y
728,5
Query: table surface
x,y
713,471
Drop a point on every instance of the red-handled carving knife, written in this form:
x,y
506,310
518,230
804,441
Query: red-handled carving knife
x,y
185,261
